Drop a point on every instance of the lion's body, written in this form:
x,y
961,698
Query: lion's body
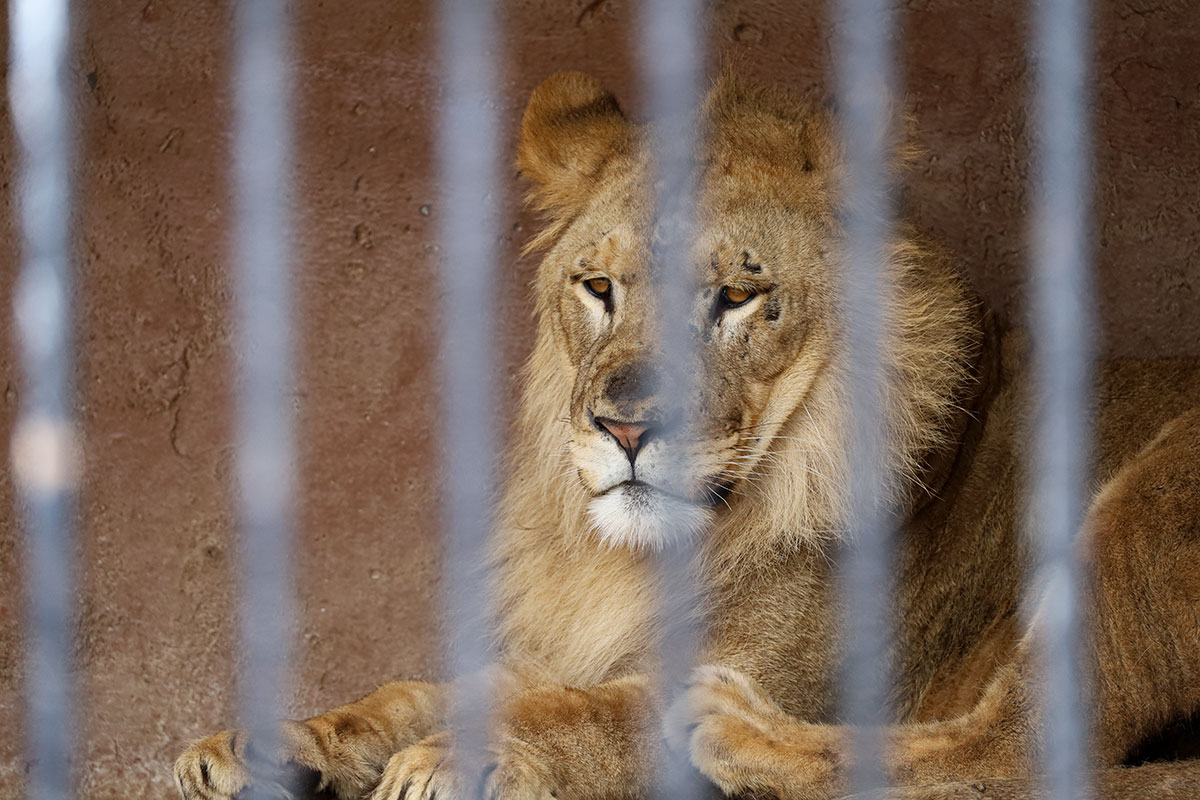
x,y
963,565
576,568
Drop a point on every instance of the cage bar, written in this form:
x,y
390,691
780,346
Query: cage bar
x,y
1060,320
864,72
671,62
44,448
262,257
468,166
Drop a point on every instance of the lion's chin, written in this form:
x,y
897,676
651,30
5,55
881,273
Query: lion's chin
x,y
637,516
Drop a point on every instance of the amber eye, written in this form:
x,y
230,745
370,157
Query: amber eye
x,y
599,287
732,297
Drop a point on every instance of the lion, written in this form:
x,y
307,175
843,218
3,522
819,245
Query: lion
x,y
591,501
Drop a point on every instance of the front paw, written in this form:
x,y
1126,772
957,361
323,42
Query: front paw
x,y
227,763
745,743
429,770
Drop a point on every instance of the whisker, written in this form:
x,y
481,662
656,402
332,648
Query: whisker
x,y
717,492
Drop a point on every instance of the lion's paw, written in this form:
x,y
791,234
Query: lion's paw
x,y
419,772
715,691
737,736
428,771
225,764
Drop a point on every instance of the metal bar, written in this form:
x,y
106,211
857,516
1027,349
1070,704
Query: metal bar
x,y
671,63
1061,319
468,167
864,73
262,160
44,450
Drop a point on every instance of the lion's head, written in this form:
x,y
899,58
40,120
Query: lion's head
x,y
761,442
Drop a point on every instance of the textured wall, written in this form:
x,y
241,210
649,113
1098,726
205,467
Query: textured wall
x,y
155,554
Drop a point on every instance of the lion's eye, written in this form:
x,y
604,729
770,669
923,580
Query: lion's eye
x,y
599,287
732,297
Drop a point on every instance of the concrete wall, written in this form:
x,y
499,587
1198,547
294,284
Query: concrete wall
x,y
155,641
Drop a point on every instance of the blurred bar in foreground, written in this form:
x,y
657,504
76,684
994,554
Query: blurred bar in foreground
x,y
1060,322
671,60
262,163
468,169
865,87
44,446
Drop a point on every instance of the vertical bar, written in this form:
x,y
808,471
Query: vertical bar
x,y
671,62
468,167
1061,305
43,445
864,74
262,159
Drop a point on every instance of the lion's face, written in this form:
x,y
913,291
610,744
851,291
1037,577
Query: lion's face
x,y
654,461
660,447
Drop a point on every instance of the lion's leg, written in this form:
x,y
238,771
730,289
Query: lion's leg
x,y
738,737
741,740
1142,609
550,741
340,753
1142,612
1145,604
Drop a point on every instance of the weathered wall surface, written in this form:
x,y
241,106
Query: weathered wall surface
x,y
156,633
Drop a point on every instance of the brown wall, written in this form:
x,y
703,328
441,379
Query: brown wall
x,y
155,637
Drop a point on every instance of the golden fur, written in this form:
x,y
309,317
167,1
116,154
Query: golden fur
x,y
576,566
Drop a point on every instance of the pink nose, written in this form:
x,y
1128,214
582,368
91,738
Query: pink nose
x,y
627,434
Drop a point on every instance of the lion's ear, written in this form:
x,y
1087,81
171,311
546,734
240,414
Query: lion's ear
x,y
571,126
904,133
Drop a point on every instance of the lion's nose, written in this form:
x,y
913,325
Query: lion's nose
x,y
630,435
